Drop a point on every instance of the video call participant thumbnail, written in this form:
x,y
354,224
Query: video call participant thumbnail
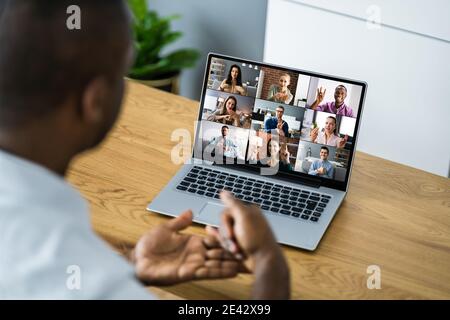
x,y
277,123
337,106
227,113
224,144
281,93
322,167
278,155
328,135
233,82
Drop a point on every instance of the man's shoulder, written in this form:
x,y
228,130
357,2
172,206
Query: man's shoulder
x,y
270,120
348,110
53,252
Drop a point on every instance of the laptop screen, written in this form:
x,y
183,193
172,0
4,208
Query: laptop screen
x,y
280,121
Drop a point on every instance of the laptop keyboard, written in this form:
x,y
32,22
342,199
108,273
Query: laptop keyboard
x,y
276,198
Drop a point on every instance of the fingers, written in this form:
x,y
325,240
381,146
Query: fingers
x,y
213,232
223,264
219,254
181,222
216,273
228,199
218,257
227,224
243,268
209,270
314,133
211,241
225,242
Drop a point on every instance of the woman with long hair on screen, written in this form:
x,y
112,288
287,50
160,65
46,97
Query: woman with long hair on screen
x,y
328,135
278,155
227,113
233,82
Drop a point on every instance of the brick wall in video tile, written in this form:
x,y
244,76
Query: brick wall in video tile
x,y
272,76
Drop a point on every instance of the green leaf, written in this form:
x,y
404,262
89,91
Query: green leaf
x,y
151,34
146,72
138,8
167,66
183,58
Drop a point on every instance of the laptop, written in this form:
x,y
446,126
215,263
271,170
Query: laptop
x,y
286,146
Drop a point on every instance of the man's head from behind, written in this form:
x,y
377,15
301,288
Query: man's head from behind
x,y
69,81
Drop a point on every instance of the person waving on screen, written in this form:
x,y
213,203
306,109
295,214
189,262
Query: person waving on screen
x,y
337,106
328,135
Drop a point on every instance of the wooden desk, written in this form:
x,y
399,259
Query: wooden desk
x,y
394,216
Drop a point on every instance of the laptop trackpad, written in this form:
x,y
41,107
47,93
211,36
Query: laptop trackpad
x,y
211,213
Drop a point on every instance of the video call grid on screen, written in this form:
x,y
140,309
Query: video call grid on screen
x,y
242,104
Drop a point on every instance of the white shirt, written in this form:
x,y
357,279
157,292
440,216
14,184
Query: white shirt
x,y
333,141
47,247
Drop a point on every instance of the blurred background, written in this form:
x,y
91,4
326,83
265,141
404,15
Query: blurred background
x,y
400,48
232,27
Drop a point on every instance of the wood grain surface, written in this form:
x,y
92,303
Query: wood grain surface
x,y
394,216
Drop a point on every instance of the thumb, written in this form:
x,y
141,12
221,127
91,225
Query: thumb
x,y
181,222
227,223
231,202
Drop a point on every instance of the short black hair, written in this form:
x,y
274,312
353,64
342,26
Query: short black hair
x,y
225,127
42,62
325,148
280,107
342,86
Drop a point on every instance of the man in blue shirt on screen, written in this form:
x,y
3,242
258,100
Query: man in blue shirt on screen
x,y
322,167
277,123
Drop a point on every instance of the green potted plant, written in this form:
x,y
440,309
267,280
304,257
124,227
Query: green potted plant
x,y
151,34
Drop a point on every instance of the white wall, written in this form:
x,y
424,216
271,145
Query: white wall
x,y
405,62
